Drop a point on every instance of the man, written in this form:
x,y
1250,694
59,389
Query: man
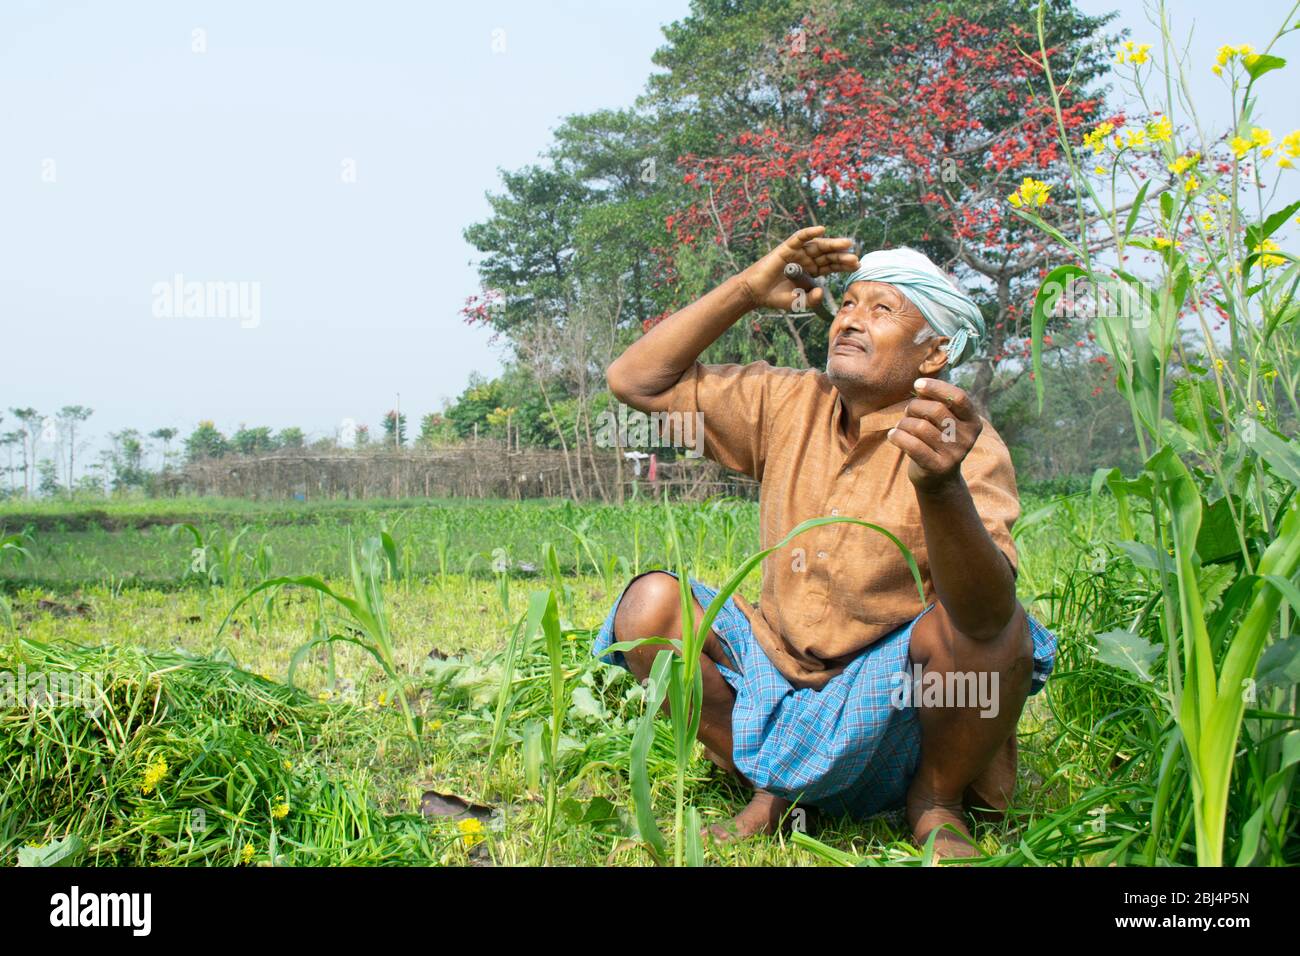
x,y
815,694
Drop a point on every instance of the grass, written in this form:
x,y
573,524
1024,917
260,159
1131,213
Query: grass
x,y
217,706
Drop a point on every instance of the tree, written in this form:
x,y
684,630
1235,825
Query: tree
x,y
70,416
527,243
252,441
48,478
206,441
291,437
436,431
29,417
164,435
126,460
480,398
394,429
8,440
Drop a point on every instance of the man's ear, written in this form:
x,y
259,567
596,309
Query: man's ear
x,y
937,357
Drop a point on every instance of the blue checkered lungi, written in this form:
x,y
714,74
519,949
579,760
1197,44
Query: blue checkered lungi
x,y
847,748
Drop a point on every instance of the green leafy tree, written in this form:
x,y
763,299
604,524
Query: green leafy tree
x,y
48,478
394,428
206,441
166,436
126,460
252,441
436,431
71,417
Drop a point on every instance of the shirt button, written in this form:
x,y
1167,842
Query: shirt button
x,y
821,554
835,512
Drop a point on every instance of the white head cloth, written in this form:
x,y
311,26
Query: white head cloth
x,y
948,310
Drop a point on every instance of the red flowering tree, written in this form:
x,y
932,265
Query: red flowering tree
x,y
915,134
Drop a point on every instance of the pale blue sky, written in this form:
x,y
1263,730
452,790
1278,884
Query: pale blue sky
x,y
226,165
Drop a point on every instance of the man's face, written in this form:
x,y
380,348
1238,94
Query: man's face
x,y
871,342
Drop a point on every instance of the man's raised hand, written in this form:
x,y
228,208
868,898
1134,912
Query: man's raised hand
x,y
937,431
766,280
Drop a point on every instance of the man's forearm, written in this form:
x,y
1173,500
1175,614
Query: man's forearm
x,y
656,362
972,577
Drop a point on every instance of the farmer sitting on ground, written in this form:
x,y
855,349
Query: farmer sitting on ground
x,y
802,693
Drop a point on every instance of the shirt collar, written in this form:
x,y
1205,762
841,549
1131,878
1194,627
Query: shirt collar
x,y
882,419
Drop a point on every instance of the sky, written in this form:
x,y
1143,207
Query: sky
x,y
315,162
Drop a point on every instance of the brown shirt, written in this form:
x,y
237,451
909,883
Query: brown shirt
x,y
832,591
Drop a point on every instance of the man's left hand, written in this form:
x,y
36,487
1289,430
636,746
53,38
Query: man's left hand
x,y
938,429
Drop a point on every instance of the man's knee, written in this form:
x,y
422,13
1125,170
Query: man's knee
x,y
941,647
650,607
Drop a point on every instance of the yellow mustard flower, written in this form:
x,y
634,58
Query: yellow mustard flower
x,y
1133,53
1229,52
1161,130
471,830
281,809
247,853
1240,147
1032,192
1268,261
1259,407
1183,163
1164,242
1097,138
153,775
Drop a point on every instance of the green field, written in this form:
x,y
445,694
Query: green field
x,y
326,771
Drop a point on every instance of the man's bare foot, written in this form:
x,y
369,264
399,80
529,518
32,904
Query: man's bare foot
x,y
762,815
926,815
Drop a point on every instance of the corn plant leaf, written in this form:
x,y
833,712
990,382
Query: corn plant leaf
x,y
1223,726
639,771
1279,779
518,636
300,654
1279,665
532,750
1034,517
694,849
